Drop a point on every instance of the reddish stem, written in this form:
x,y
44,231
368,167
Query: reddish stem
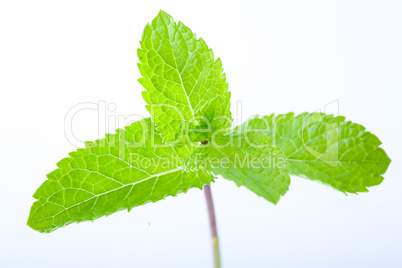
x,y
212,224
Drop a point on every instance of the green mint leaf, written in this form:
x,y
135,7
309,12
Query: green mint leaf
x,y
122,171
249,160
186,88
324,148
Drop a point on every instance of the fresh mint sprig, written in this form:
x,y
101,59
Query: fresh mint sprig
x,y
187,142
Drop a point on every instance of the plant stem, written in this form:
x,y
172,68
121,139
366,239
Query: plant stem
x,y
212,225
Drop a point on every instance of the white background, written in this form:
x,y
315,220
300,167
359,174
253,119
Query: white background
x,y
279,56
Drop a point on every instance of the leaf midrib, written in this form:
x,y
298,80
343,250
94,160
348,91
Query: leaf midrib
x,y
175,61
104,193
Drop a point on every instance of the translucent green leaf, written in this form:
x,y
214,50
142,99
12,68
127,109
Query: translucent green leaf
x,y
324,148
186,88
249,160
122,171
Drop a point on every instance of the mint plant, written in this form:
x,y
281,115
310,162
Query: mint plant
x,y
188,141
